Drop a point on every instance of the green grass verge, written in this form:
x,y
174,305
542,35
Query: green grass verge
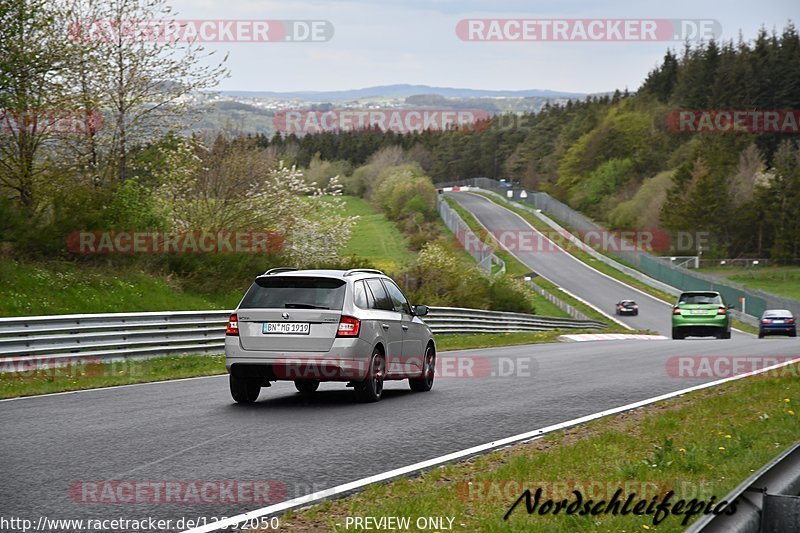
x,y
699,445
783,281
62,287
87,375
375,237
598,265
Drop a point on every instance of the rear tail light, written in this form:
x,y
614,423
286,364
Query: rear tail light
x,y
722,311
676,311
636,307
766,321
348,327
790,321
233,326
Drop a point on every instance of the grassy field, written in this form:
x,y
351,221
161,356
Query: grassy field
x,y
783,281
699,445
61,287
375,237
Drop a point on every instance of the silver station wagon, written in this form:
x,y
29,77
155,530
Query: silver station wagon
x,y
309,326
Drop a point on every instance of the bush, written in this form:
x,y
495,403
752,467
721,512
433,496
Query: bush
x,y
441,278
510,294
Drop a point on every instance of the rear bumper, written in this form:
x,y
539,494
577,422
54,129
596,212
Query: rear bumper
x,y
779,329
701,326
347,360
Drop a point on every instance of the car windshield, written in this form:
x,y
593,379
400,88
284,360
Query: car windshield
x,y
700,298
294,292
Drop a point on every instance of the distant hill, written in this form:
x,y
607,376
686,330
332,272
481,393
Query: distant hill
x,y
399,91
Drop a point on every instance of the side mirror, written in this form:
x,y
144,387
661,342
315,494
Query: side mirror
x,y
420,310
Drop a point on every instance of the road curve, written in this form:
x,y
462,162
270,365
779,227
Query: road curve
x,y
567,272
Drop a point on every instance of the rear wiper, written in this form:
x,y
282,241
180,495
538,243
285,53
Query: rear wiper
x,y
304,306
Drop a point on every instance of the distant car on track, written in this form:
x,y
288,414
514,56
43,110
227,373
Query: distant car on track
x,y
701,314
626,307
777,322
310,326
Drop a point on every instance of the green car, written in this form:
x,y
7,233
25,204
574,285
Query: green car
x,y
701,314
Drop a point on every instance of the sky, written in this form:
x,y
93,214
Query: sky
x,y
414,41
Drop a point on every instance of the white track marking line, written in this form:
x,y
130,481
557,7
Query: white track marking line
x,y
403,471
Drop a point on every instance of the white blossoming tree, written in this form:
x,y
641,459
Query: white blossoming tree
x,y
238,188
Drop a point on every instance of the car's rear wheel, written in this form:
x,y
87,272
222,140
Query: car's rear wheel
x,y
371,389
306,386
425,383
760,334
244,390
676,334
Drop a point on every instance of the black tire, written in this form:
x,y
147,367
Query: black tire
x,y
371,389
244,390
727,334
760,334
793,333
425,383
306,386
677,335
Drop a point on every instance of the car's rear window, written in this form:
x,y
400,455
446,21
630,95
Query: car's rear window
x,y
700,298
778,313
294,292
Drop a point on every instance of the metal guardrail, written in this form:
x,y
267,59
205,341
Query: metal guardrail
x,y
463,320
571,310
482,252
109,336
767,501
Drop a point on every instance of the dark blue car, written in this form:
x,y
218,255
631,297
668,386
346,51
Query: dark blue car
x,y
777,322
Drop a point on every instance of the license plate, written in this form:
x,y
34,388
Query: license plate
x,y
700,311
287,328
777,321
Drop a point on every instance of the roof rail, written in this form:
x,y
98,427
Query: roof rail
x,y
364,270
278,270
